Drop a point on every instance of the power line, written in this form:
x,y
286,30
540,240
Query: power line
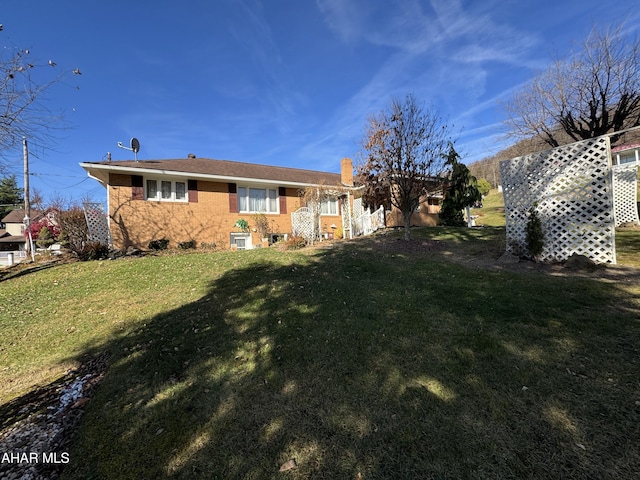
x,y
58,187
36,174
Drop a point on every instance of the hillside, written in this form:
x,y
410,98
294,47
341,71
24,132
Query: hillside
x,y
489,167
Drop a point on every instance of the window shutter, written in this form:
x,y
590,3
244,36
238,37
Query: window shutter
x,y
282,196
137,187
192,186
233,198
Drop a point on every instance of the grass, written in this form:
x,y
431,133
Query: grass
x,y
358,361
492,212
628,246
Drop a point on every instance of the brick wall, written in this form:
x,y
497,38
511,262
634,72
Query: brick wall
x,y
136,221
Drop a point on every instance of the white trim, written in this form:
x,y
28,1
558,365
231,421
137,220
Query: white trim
x,y
158,197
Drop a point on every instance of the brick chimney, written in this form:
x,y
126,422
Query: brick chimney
x,y
346,172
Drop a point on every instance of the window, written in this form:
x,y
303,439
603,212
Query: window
x,y
181,191
257,200
166,190
627,157
242,241
329,206
152,189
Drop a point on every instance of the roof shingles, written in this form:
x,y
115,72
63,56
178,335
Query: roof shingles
x,y
227,168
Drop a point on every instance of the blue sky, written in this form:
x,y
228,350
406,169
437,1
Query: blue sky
x,y
279,82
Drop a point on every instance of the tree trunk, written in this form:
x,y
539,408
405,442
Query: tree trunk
x,y
407,225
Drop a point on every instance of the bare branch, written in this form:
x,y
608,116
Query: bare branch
x,y
593,93
24,85
404,149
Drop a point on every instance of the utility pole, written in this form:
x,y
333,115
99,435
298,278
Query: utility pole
x,y
27,203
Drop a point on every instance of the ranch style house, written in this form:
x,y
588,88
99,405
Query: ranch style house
x,y
202,200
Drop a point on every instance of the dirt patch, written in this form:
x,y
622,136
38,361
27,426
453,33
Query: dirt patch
x,y
488,257
399,245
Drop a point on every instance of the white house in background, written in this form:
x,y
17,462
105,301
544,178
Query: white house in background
x,y
12,236
624,154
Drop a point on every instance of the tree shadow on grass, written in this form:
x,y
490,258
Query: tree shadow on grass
x,y
20,269
360,364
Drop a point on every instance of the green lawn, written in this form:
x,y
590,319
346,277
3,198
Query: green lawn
x,y
492,211
628,247
359,361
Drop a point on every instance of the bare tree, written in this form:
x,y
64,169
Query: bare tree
x,y
591,93
403,156
24,83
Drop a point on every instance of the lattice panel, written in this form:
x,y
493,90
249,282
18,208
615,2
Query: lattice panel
x,y
625,190
97,223
346,218
303,224
358,217
572,190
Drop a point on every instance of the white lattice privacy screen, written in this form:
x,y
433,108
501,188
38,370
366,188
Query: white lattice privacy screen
x,y
303,223
572,189
97,223
625,196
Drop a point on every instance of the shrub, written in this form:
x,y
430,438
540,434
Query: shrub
x,y
44,238
451,215
484,187
534,234
94,251
242,224
208,246
187,245
262,224
44,227
293,243
74,233
159,244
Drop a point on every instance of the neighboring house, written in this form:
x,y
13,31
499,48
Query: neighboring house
x,y
426,215
12,236
625,154
202,199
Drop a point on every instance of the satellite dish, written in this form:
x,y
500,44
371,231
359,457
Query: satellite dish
x,y
135,146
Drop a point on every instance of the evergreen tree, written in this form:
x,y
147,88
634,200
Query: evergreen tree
x,y
461,192
10,195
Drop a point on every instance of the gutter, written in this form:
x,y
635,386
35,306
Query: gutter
x,y
175,173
